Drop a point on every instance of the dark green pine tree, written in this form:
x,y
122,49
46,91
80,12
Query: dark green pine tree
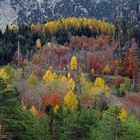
x,y
18,123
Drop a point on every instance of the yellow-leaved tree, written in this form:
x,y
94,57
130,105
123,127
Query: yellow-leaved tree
x,y
52,26
3,74
99,82
73,63
38,43
123,115
70,101
75,23
100,87
49,75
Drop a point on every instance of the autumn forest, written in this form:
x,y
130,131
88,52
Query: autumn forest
x,y
70,79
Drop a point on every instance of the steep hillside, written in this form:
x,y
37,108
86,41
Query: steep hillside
x,y
23,11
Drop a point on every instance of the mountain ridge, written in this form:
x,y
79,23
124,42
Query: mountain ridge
x,y
34,11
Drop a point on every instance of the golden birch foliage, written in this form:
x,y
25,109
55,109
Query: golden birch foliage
x,y
73,63
52,26
38,44
76,23
52,79
3,74
100,87
33,80
70,101
65,23
123,115
49,75
99,82
89,88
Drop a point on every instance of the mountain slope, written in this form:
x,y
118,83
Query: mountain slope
x,y
24,11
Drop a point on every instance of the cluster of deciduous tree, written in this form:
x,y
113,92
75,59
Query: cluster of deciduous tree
x,y
64,112
103,55
26,36
68,91
79,26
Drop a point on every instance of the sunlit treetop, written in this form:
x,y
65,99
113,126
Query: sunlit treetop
x,y
123,115
100,87
73,63
73,23
70,101
3,74
49,75
99,82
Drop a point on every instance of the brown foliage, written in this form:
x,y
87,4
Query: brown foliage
x,y
131,62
